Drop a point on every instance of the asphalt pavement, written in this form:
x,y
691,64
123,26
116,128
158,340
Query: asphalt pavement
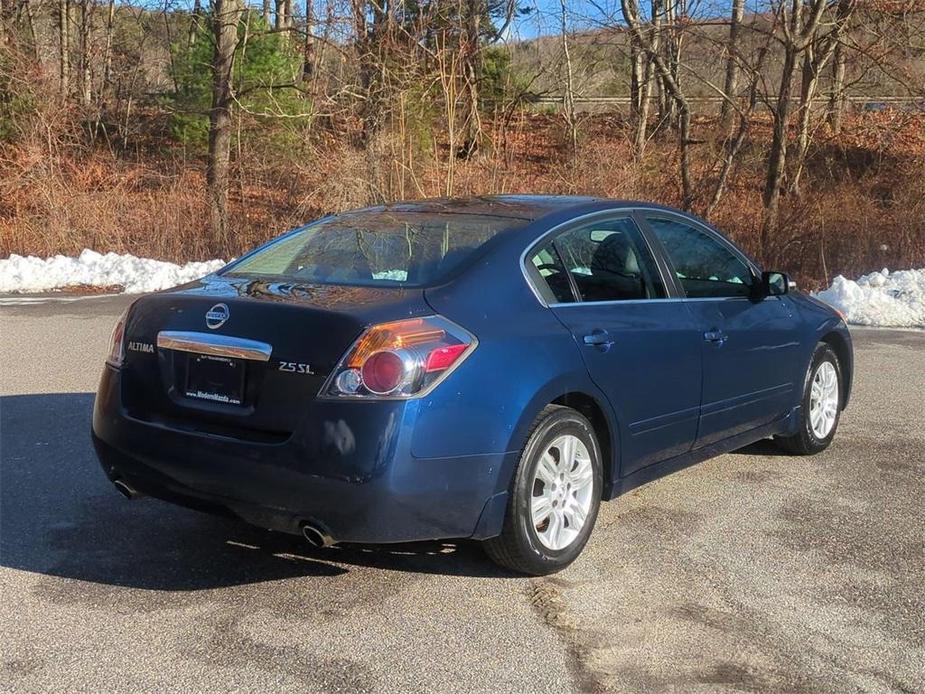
x,y
754,571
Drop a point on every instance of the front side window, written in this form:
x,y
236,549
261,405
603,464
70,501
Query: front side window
x,y
609,261
704,265
378,247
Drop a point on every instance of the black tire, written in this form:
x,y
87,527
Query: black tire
x,y
805,441
518,547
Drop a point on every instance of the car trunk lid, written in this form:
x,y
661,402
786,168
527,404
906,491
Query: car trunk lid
x,y
242,357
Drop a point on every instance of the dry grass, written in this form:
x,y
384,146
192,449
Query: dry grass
x,y
861,207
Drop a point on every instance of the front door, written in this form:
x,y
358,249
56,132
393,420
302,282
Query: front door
x,y
642,349
749,344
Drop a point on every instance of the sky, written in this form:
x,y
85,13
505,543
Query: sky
x,y
544,16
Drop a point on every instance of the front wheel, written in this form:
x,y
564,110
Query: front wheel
x,y
555,496
822,404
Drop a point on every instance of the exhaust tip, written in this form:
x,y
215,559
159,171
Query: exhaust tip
x,y
125,489
315,536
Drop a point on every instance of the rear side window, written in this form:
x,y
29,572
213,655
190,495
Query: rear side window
x,y
376,248
605,261
705,266
552,276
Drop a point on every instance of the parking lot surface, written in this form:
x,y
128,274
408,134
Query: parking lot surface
x,y
752,571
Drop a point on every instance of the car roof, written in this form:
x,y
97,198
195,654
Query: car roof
x,y
515,206
526,207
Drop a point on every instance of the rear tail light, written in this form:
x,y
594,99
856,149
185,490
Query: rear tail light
x,y
117,342
401,359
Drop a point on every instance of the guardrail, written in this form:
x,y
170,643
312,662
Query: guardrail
x,y
852,100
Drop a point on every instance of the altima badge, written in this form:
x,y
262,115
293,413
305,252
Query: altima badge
x,y
217,316
145,347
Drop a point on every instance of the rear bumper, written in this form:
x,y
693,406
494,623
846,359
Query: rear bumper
x,y
357,486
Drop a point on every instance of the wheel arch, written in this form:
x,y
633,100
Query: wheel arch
x,y
843,351
584,397
592,410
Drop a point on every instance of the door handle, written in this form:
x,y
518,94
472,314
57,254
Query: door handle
x,y
598,338
717,337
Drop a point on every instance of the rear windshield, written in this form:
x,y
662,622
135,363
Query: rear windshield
x,y
377,248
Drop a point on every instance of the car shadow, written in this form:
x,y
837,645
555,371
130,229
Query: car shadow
x,y
765,447
59,516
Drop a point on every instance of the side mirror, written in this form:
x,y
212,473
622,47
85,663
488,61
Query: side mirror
x,y
775,283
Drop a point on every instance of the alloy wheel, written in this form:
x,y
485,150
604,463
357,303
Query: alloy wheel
x,y
823,400
562,492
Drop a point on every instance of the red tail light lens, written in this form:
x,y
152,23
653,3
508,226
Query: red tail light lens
x,y
443,357
383,372
400,359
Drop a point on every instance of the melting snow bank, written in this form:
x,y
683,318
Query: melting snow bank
x,y
882,299
135,275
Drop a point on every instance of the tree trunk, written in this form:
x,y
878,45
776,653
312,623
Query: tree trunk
x,y
569,98
279,19
7,10
107,57
267,11
808,83
816,57
645,83
368,69
30,19
308,52
636,66
195,22
64,46
731,85
86,32
679,101
283,14
225,17
837,99
777,156
471,68
734,144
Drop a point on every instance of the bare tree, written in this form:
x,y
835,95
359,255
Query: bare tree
x,y
226,15
107,54
731,84
30,21
569,97
283,18
817,55
800,22
86,33
7,11
308,49
680,104
64,46
837,97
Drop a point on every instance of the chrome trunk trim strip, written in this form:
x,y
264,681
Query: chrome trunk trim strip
x,y
215,345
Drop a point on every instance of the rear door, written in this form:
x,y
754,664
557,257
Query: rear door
x,y
640,347
749,344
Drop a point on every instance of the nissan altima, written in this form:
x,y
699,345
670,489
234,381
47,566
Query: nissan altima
x,y
486,368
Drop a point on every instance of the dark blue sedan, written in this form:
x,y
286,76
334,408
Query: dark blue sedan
x,y
487,368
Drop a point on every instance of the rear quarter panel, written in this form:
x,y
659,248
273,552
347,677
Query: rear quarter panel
x,y
525,359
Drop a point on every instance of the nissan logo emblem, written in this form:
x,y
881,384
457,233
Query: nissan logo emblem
x,y
217,316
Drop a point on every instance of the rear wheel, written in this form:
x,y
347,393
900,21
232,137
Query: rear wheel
x,y
821,405
555,496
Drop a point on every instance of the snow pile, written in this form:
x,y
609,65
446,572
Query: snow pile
x,y
882,299
135,275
